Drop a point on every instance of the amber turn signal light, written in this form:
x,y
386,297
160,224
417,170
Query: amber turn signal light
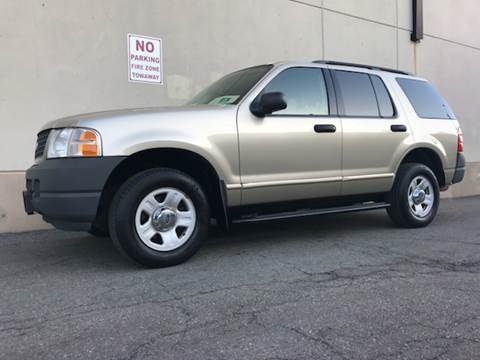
x,y
88,144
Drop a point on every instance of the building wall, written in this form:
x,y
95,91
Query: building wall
x,y
62,57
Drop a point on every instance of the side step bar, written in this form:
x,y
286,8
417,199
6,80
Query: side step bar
x,y
251,218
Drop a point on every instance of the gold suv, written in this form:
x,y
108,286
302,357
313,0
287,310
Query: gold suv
x,y
268,142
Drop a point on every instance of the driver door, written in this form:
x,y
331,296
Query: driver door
x,y
294,153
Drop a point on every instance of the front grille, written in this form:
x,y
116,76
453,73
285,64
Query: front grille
x,y
41,143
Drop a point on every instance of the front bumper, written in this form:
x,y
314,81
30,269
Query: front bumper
x,y
66,192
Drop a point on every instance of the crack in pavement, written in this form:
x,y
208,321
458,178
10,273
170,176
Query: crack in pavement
x,y
346,276
355,295
318,340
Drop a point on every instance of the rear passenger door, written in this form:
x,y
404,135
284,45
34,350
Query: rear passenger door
x,y
373,131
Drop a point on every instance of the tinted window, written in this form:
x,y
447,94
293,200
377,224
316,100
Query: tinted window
x,y
425,99
231,88
304,89
357,93
384,100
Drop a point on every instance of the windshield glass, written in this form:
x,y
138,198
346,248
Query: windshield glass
x,y
231,88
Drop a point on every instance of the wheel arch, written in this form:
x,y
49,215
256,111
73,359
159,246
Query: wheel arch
x,y
428,157
187,161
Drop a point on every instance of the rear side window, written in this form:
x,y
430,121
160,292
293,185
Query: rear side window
x,y
425,99
385,104
357,93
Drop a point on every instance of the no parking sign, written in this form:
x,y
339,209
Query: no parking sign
x,y
145,64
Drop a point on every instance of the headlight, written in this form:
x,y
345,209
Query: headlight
x,y
73,142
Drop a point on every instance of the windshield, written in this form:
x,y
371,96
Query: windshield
x,y
231,88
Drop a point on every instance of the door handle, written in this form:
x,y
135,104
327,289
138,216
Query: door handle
x,y
325,128
398,128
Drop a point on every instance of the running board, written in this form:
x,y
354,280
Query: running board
x,y
310,212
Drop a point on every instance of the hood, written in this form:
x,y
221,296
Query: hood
x,y
91,119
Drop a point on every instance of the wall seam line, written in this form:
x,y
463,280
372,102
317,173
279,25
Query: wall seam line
x,y
321,7
397,33
345,14
452,41
323,33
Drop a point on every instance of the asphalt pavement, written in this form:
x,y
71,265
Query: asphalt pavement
x,y
348,286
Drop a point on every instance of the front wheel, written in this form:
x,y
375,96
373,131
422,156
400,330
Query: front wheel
x,y
415,196
159,217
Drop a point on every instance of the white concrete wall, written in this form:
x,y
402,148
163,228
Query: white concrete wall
x,y
61,57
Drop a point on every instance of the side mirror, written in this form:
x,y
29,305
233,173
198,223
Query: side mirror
x,y
268,103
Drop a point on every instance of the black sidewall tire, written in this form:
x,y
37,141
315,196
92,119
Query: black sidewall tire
x,y
124,207
399,211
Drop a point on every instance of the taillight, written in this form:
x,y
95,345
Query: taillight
x,y
460,141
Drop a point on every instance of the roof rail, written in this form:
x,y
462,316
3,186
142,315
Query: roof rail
x,y
371,67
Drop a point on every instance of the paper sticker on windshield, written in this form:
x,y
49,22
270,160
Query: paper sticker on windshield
x,y
224,100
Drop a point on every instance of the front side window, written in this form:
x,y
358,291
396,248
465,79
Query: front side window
x,y
304,91
231,88
357,93
425,99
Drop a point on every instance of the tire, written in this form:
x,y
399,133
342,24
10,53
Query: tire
x,y
159,217
415,196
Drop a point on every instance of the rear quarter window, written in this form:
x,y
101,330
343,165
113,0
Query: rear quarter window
x,y
383,97
426,101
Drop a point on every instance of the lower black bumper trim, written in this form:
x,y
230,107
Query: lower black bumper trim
x,y
66,192
458,176
69,225
460,169
27,203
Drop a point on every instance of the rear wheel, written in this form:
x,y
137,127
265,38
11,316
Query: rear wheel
x,y
159,217
415,196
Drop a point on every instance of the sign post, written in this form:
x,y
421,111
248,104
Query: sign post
x,y
145,59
